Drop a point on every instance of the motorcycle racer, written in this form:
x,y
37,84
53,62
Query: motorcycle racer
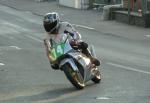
x,y
56,30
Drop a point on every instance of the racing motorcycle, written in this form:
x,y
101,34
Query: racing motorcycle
x,y
76,65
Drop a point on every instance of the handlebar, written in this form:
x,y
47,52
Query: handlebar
x,y
67,32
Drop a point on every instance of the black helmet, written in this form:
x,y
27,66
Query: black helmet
x,y
51,22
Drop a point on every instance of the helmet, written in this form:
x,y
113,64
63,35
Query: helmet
x,y
51,22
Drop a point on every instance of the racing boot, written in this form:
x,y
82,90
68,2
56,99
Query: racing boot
x,y
84,47
95,61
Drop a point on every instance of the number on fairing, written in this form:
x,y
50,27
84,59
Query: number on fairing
x,y
59,49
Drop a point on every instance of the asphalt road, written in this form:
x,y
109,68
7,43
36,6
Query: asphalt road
x,y
26,76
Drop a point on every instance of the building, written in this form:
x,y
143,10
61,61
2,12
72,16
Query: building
x,y
135,12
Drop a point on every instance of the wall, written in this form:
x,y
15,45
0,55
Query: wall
x,y
125,3
78,4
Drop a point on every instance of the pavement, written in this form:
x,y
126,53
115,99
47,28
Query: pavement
x,y
25,73
93,18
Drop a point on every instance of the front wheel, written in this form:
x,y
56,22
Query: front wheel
x,y
74,77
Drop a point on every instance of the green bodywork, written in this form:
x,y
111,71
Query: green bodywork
x,y
57,50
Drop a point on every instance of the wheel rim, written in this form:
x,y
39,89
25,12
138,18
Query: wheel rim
x,y
77,77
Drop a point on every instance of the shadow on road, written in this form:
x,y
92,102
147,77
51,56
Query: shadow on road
x,y
48,95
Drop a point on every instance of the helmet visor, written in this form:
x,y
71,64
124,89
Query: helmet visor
x,y
50,26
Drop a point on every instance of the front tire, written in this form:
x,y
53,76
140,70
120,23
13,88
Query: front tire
x,y
73,76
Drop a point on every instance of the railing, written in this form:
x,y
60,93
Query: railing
x,y
148,5
139,5
134,5
108,1
99,4
145,6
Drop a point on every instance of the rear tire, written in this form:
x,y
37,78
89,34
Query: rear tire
x,y
73,76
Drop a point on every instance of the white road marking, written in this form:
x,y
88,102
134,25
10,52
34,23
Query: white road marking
x,y
102,98
26,16
5,28
15,47
128,68
17,27
2,64
82,26
147,36
9,28
62,14
36,39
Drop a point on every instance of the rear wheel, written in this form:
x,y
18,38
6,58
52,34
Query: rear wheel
x,y
74,77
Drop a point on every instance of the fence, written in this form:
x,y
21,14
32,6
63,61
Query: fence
x,y
136,5
148,5
108,1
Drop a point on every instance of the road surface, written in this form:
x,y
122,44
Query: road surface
x,y
26,76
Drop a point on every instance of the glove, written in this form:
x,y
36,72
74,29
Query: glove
x,y
55,66
83,45
73,42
